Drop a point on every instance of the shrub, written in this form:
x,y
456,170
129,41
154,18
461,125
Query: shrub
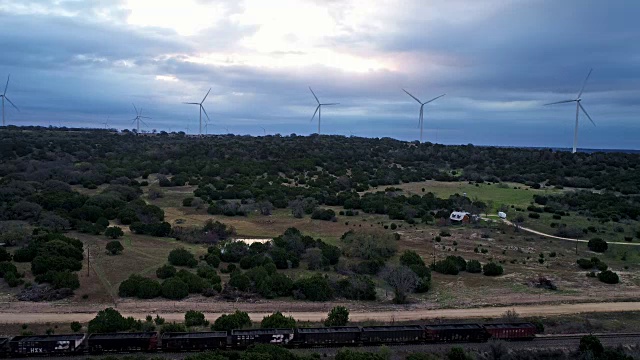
x,y
314,288
590,343
277,321
114,232
43,263
166,271
114,247
172,327
447,267
76,326
7,267
182,257
323,214
534,215
445,233
338,316
597,245
195,283
195,318
358,287
240,281
175,289
109,320
65,279
213,260
474,266
228,322
4,255
187,201
410,257
492,269
608,277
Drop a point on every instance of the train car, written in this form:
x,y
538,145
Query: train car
x,y
455,333
244,338
183,341
46,344
4,347
122,342
392,334
511,331
343,335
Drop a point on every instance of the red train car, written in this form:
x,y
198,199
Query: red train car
x,y
512,331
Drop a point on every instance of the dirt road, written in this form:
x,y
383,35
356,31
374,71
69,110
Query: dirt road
x,y
386,316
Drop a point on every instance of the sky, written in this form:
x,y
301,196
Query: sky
x,y
83,63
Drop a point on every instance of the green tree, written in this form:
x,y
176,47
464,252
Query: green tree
x,y
410,257
608,277
492,269
338,316
182,257
114,232
591,343
474,266
114,247
108,320
277,321
76,327
166,271
195,318
458,353
175,289
227,322
597,245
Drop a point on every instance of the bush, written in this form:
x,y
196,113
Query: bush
x,y
492,269
76,327
534,215
228,322
114,247
597,245
410,257
175,289
195,283
447,267
109,320
43,263
474,266
172,327
7,267
338,316
590,343
314,288
608,277
65,279
114,232
166,271
182,257
323,214
195,318
4,255
240,281
141,287
278,321
358,287
213,260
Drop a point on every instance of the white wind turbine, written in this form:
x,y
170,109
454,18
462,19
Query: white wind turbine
x,y
139,118
422,104
4,96
319,109
201,109
579,107
264,131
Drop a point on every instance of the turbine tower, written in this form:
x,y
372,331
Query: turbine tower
x,y
201,109
264,131
319,109
422,104
4,96
139,118
579,107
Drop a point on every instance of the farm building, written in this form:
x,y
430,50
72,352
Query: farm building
x,y
460,217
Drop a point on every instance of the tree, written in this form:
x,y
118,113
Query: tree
x,y
114,232
314,288
402,280
108,320
278,321
410,257
166,271
175,289
228,322
114,247
474,266
76,327
608,277
591,343
458,353
195,318
65,279
4,255
338,316
182,257
598,245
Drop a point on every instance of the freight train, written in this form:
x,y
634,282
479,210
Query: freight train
x,y
76,344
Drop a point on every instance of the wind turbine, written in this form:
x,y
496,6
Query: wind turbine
x,y
319,109
139,117
579,107
422,104
4,96
264,131
201,109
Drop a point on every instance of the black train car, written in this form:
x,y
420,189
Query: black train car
x,y
392,334
46,344
343,335
244,338
455,333
122,342
4,347
511,331
181,341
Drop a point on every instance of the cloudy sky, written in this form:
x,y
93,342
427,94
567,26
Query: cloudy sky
x,y
82,63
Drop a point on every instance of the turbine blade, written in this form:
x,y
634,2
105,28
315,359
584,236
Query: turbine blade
x,y
421,115
314,114
144,117
584,83
314,95
559,102
585,112
10,102
205,97
434,99
6,86
205,112
135,108
191,103
415,98
331,104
